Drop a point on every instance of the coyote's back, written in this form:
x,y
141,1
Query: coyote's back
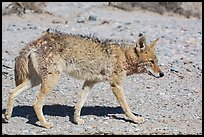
x,y
79,56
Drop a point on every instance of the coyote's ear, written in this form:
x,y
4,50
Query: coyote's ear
x,y
154,43
141,43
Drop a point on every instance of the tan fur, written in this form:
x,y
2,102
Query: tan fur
x,y
45,59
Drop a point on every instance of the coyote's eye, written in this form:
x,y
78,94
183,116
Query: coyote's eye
x,y
151,61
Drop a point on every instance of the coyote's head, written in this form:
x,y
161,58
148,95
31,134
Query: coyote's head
x,y
147,59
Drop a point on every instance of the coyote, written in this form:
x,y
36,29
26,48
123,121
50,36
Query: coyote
x,y
43,61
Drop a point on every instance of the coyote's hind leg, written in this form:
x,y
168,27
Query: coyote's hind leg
x,y
47,85
14,92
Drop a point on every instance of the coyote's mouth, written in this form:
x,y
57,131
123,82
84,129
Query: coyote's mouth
x,y
159,75
156,75
151,74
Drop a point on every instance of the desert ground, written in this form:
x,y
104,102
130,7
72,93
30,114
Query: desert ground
x,y
170,105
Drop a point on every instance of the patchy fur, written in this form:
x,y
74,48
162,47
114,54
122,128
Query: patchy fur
x,y
84,57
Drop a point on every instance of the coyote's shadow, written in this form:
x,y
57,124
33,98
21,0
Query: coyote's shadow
x,y
63,111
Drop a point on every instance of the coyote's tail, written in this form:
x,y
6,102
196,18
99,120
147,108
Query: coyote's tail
x,y
21,69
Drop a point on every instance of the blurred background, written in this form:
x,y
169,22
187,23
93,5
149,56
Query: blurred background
x,y
188,9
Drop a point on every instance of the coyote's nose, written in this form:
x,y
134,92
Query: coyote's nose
x,y
161,74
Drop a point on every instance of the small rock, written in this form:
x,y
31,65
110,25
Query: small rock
x,y
119,26
127,23
55,21
188,70
105,22
197,90
191,41
187,62
174,69
81,20
92,18
148,87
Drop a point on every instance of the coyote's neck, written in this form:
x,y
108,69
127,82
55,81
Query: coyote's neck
x,y
132,64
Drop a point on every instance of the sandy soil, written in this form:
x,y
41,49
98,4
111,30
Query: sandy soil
x,y
170,105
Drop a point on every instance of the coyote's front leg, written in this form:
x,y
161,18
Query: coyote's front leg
x,y
84,93
118,92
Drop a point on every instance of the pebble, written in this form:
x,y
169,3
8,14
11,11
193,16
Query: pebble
x,y
92,18
197,90
81,20
174,69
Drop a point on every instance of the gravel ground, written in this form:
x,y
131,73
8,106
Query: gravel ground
x,y
170,105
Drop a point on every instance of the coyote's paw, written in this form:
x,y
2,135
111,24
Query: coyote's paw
x,y
48,125
6,117
79,121
138,120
